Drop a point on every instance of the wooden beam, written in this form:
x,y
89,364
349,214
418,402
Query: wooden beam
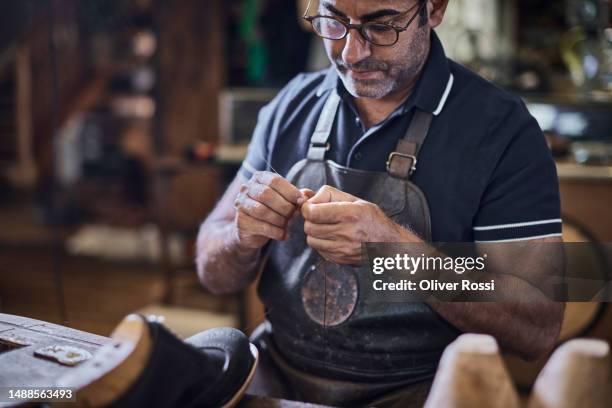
x,y
23,174
190,71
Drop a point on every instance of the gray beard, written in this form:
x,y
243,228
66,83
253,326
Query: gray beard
x,y
397,77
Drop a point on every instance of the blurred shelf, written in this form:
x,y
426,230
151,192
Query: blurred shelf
x,y
573,171
231,154
21,228
185,322
599,98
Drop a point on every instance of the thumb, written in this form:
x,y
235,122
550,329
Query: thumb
x,y
328,194
308,193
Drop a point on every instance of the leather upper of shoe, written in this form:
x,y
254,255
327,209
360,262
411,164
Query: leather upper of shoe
x,y
205,370
230,351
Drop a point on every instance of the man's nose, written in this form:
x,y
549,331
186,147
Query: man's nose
x,y
356,48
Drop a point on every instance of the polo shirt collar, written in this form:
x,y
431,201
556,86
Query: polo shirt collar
x,y
432,88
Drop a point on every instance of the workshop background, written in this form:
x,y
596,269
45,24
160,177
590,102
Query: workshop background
x,y
121,123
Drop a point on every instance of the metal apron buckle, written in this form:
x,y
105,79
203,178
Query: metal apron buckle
x,y
404,156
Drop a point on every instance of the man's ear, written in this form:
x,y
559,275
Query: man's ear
x,y
436,10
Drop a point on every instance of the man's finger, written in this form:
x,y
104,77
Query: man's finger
x,y
324,231
262,212
281,185
328,194
322,245
325,213
307,193
253,226
271,198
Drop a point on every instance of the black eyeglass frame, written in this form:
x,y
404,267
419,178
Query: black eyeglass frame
x,y
360,27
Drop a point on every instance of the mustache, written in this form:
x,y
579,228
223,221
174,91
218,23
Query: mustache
x,y
363,65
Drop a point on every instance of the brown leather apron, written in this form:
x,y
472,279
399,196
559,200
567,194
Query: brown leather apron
x,y
322,321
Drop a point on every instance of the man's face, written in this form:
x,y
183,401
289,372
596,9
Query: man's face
x,y
371,71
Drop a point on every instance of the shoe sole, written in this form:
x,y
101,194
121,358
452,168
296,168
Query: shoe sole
x,y
117,365
240,393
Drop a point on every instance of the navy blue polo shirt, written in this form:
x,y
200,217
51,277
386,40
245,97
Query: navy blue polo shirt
x,y
484,168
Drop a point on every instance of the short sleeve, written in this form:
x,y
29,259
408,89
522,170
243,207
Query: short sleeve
x,y
521,200
269,120
257,153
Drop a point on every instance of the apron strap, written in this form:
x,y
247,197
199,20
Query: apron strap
x,y
318,141
402,162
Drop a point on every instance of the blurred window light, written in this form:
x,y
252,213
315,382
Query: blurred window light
x,y
571,123
144,44
142,107
544,114
590,65
144,79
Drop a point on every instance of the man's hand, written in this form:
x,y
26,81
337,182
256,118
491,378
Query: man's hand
x,y
337,223
264,206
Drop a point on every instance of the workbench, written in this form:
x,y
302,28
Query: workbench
x,y
20,368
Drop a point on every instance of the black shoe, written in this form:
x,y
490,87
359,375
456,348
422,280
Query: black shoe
x,y
146,365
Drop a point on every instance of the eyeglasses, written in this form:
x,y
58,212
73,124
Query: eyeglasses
x,y
377,33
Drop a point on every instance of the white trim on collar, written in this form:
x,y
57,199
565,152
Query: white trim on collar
x,y
449,86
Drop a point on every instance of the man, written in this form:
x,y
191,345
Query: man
x,y
393,143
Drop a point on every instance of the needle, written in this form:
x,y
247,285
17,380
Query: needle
x,y
317,265
269,165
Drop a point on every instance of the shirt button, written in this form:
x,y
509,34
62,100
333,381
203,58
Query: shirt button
x,y
358,156
357,121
